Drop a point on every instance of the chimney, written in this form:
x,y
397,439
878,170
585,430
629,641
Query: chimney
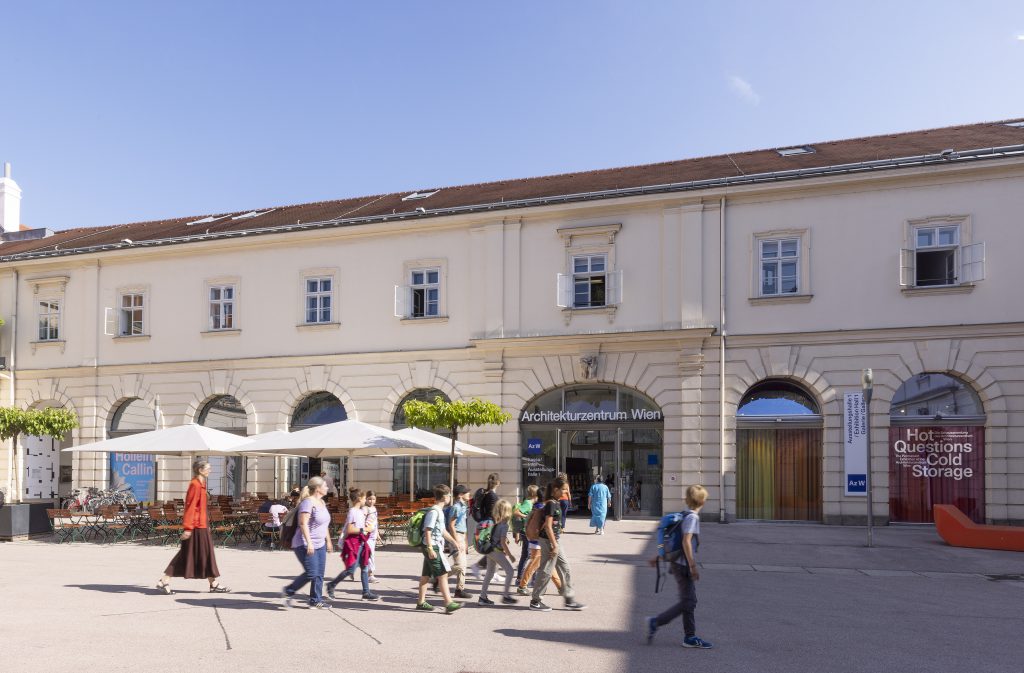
x,y
10,202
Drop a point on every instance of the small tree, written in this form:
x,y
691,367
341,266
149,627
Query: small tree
x,y
453,415
36,422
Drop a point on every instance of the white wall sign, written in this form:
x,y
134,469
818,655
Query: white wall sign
x,y
855,443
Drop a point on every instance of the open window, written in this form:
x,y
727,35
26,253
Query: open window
x,y
940,256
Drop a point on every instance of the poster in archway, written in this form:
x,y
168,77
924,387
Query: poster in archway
x,y
936,465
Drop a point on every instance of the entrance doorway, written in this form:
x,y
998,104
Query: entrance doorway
x,y
936,449
585,442
778,454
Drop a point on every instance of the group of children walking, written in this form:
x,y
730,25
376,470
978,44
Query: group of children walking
x,y
535,524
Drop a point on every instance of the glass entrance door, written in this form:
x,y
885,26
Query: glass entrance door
x,y
636,472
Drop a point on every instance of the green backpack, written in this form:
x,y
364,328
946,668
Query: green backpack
x,y
414,529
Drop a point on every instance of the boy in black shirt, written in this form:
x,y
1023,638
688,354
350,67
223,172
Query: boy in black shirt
x,y
551,553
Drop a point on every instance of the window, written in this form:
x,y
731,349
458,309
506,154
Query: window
x,y
780,266
319,300
589,280
49,320
131,315
937,256
222,307
591,284
425,293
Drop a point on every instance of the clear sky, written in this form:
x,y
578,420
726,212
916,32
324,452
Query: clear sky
x,y
120,111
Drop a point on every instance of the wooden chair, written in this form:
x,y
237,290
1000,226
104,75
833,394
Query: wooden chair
x,y
64,530
112,525
268,534
165,524
221,527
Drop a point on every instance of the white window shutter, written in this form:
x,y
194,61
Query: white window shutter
x,y
109,321
401,301
564,291
908,270
972,263
614,294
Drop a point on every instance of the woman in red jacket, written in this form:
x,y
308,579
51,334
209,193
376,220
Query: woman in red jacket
x,y
194,559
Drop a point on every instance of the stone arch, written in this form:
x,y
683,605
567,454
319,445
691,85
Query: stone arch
x,y
396,395
299,391
812,382
196,406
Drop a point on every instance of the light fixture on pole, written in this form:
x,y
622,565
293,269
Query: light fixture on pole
x,y
867,384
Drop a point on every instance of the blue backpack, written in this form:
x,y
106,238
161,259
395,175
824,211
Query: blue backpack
x,y
670,536
670,542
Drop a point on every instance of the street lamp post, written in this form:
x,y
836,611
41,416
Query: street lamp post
x,y
867,384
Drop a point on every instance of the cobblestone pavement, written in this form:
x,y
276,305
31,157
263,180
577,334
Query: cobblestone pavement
x,y
773,597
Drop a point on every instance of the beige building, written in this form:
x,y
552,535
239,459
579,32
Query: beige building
x,y
595,307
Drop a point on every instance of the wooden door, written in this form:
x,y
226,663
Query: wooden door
x,y
778,474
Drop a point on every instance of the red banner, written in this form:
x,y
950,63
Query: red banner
x,y
936,465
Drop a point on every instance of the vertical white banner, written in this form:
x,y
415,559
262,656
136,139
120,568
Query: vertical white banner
x,y
855,444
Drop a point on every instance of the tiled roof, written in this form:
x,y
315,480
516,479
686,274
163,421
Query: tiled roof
x,y
511,193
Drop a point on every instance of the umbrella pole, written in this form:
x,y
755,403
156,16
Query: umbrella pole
x,y
412,479
348,473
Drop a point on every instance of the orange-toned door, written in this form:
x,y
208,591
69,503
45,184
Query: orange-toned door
x,y
778,474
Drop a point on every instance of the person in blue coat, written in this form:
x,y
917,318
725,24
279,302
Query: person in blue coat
x,y
598,500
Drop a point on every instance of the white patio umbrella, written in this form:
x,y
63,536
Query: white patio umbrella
x,y
179,440
343,439
443,443
434,439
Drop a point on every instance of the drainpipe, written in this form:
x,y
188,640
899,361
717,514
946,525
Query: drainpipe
x,y
13,473
721,362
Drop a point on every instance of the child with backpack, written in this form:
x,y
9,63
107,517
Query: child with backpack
x,y
371,523
431,540
482,506
495,550
552,553
354,544
520,515
457,527
531,533
678,540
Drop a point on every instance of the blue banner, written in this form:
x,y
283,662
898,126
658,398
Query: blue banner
x,y
136,471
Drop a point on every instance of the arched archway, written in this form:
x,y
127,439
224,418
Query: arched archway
x,y
427,471
136,471
316,408
225,413
778,453
46,471
936,448
596,430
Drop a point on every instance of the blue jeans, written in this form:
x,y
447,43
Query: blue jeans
x,y
524,556
351,571
314,575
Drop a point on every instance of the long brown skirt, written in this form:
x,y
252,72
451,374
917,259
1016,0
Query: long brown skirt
x,y
195,559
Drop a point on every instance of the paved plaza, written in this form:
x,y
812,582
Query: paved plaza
x,y
773,597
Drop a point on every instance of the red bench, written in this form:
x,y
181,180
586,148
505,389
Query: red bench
x,y
958,531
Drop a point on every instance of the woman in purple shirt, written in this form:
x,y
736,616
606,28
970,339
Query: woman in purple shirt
x,y
311,543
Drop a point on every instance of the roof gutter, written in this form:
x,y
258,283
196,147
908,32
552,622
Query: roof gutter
x,y
942,158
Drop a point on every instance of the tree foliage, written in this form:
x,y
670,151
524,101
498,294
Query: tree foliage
x,y
453,415
36,422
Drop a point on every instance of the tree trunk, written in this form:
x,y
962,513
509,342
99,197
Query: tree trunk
x,y
451,462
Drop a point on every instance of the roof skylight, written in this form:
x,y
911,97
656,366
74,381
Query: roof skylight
x,y
206,220
421,194
251,214
792,151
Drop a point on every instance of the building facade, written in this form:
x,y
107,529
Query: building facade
x,y
701,321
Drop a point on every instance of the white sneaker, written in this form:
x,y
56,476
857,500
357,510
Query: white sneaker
x,y
498,577
474,570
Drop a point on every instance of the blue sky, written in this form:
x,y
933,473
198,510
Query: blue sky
x,y
122,111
